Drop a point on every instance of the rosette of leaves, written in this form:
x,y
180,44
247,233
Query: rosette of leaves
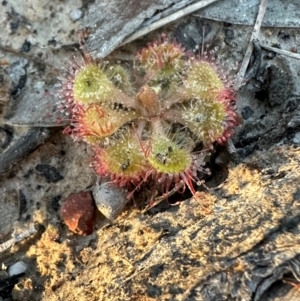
x,y
129,124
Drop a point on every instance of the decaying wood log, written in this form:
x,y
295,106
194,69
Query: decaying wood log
x,y
249,242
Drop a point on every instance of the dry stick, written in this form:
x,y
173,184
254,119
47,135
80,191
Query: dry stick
x,y
18,237
241,74
181,13
280,51
170,10
163,197
24,55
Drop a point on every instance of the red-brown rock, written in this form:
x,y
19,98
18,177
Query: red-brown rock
x,y
78,212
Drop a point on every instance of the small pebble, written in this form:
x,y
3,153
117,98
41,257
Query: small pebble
x,y
22,147
76,14
247,112
296,138
26,47
52,42
17,268
18,70
110,200
78,213
38,85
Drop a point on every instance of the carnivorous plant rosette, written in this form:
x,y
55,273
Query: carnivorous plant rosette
x,y
149,128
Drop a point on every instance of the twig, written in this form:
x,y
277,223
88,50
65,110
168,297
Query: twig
x,y
19,53
280,51
167,12
18,237
241,74
163,197
181,13
22,147
291,282
256,64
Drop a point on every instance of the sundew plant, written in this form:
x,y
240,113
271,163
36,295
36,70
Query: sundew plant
x,y
144,125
